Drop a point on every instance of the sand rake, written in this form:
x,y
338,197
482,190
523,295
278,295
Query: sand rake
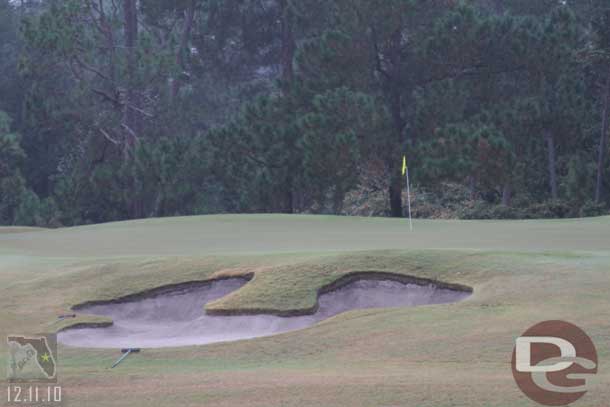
x,y
126,352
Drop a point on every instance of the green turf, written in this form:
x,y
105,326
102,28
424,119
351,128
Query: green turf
x,y
445,355
222,234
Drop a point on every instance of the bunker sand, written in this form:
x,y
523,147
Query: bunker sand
x,y
177,318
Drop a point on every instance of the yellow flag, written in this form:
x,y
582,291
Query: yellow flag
x,y
404,165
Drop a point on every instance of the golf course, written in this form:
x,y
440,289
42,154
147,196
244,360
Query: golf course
x,y
455,354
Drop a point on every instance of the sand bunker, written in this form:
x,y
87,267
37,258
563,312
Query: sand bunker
x,y
177,318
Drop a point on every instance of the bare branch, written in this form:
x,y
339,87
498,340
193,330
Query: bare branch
x,y
143,112
108,97
378,63
107,136
130,131
90,68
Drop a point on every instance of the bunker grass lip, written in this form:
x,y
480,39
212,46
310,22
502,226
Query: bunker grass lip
x,y
174,315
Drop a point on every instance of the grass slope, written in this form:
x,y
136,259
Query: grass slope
x,y
445,355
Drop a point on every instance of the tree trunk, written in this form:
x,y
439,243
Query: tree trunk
x,y
603,142
550,143
396,185
288,44
289,208
396,181
184,40
134,201
472,186
506,194
338,198
287,200
287,63
131,38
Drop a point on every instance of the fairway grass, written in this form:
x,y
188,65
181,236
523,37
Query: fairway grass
x,y
522,272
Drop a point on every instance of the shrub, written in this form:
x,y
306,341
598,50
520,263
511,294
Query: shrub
x,y
484,210
552,209
35,212
591,208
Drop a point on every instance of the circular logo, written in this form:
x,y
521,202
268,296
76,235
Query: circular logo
x,y
552,362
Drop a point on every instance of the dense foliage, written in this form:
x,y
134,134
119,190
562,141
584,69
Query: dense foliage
x,y
121,109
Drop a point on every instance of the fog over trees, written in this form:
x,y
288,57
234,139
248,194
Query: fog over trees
x,y
123,109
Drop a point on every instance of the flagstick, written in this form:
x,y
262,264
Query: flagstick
x,y
409,200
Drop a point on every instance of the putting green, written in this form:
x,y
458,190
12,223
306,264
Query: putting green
x,y
235,234
522,272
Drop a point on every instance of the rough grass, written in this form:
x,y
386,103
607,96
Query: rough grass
x,y
19,229
441,355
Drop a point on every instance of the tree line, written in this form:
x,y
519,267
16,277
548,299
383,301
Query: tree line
x,y
123,109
